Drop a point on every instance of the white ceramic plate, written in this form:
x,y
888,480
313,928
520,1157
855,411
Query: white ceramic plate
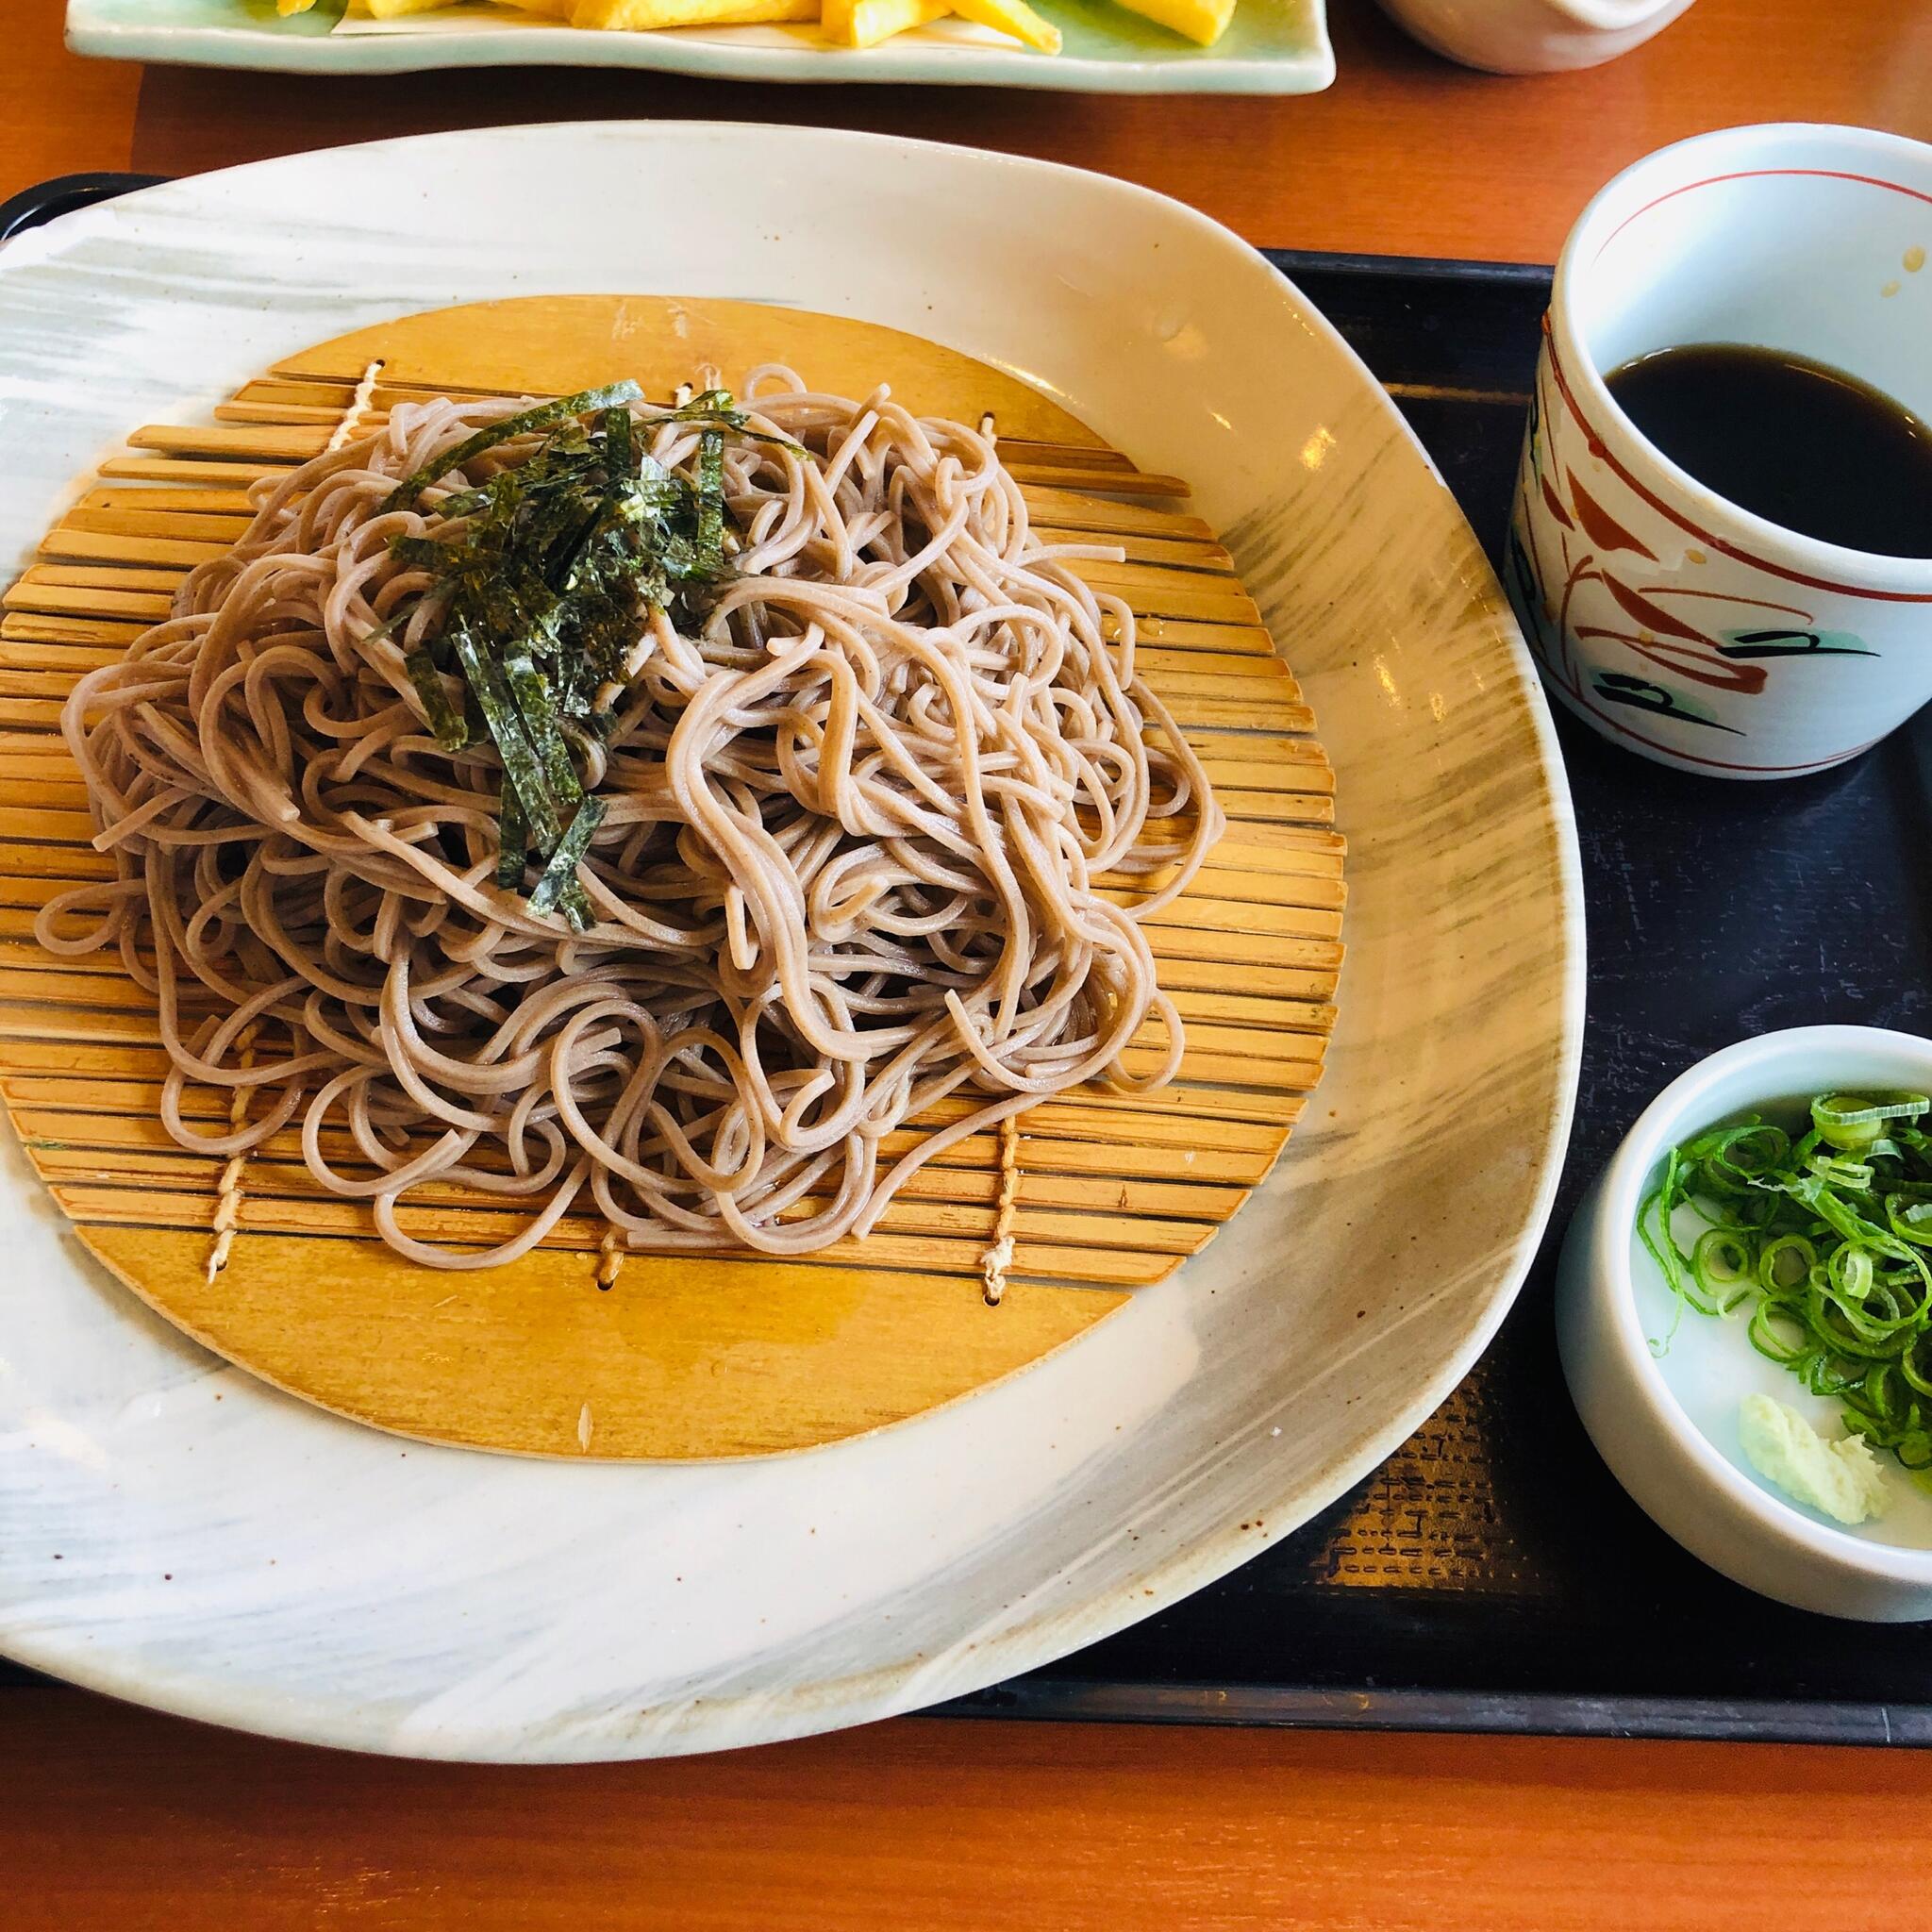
x,y
174,1532
1271,46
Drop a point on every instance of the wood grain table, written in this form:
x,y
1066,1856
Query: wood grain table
x,y
114,1817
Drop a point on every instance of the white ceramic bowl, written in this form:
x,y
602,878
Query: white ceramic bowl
x,y
1666,1427
1533,36
1670,619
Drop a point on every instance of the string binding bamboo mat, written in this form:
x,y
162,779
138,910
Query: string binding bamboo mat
x,y
683,1357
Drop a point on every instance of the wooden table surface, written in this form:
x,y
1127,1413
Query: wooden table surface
x,y
113,1817
1406,155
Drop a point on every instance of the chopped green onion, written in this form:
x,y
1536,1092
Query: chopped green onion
x,y
1736,1157
1827,1236
1911,1220
1842,1173
1826,1239
1722,1264
1853,1124
1784,1264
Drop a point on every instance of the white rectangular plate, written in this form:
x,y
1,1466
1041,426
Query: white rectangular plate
x,y
1271,48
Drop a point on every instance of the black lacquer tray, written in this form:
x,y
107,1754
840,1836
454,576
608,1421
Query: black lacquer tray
x,y
1491,1576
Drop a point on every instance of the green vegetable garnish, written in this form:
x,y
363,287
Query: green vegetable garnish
x,y
1825,1237
512,843
710,544
522,768
452,730
546,575
561,872
564,409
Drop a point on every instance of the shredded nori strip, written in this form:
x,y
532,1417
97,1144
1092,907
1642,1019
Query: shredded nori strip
x,y
520,765
561,410
548,572
619,445
452,731
512,843
562,867
710,543
538,709
575,904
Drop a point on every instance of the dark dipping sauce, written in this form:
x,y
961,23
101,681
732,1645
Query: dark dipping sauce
x,y
1795,441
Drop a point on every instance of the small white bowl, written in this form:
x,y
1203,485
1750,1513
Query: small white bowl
x,y
1667,1428
1533,36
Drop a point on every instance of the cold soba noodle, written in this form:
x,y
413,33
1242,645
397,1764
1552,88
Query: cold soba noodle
x,y
636,811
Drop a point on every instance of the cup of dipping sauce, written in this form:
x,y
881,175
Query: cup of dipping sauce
x,y
1721,540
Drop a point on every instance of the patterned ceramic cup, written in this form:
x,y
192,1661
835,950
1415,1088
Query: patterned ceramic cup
x,y
1675,621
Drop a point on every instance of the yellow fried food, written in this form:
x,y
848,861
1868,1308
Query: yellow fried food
x,y
866,22
1013,17
1205,20
639,16
848,22
394,10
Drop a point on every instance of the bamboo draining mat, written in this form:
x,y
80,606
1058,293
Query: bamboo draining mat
x,y
686,1357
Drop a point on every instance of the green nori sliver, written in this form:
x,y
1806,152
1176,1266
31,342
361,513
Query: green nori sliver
x,y
445,720
562,409
562,867
512,841
549,569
